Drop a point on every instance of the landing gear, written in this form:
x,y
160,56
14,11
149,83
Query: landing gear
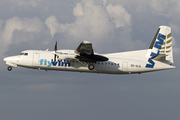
x,y
9,68
91,66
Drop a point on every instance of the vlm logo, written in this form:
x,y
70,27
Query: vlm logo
x,y
56,63
158,45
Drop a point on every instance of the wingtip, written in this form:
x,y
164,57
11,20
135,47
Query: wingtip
x,y
85,42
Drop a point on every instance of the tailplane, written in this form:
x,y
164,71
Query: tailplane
x,y
161,46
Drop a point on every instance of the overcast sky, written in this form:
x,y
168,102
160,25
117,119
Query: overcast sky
x,y
111,26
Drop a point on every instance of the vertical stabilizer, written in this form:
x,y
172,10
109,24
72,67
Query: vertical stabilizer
x,y
162,44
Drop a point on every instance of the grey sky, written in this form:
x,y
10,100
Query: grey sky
x,y
112,26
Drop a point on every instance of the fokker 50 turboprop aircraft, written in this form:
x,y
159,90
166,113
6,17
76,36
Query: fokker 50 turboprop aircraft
x,y
159,56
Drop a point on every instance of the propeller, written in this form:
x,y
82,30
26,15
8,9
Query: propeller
x,y
55,49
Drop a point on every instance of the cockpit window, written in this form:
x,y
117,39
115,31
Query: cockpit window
x,y
24,54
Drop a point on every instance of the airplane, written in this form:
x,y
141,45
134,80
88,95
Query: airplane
x,y
159,56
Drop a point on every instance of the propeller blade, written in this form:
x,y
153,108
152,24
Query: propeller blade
x,y
54,57
55,49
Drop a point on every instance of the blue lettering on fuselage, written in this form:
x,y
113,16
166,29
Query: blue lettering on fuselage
x,y
158,44
54,63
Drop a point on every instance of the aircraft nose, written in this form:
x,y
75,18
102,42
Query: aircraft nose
x,y
11,59
5,59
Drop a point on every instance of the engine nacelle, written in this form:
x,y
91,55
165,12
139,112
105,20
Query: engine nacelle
x,y
65,54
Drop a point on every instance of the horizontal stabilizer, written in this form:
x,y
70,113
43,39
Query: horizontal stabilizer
x,y
160,57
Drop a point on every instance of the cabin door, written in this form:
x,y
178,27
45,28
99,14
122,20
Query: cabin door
x,y
125,66
36,59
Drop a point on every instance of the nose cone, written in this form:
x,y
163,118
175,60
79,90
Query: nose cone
x,y
5,59
12,59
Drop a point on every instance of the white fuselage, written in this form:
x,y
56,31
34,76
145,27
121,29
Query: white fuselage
x,y
159,56
118,63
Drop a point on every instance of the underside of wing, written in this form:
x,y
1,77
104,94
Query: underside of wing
x,y
85,53
91,58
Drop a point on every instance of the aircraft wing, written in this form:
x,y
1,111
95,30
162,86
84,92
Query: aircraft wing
x,y
85,53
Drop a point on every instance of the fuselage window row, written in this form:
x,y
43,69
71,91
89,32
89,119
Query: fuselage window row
x,y
98,63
